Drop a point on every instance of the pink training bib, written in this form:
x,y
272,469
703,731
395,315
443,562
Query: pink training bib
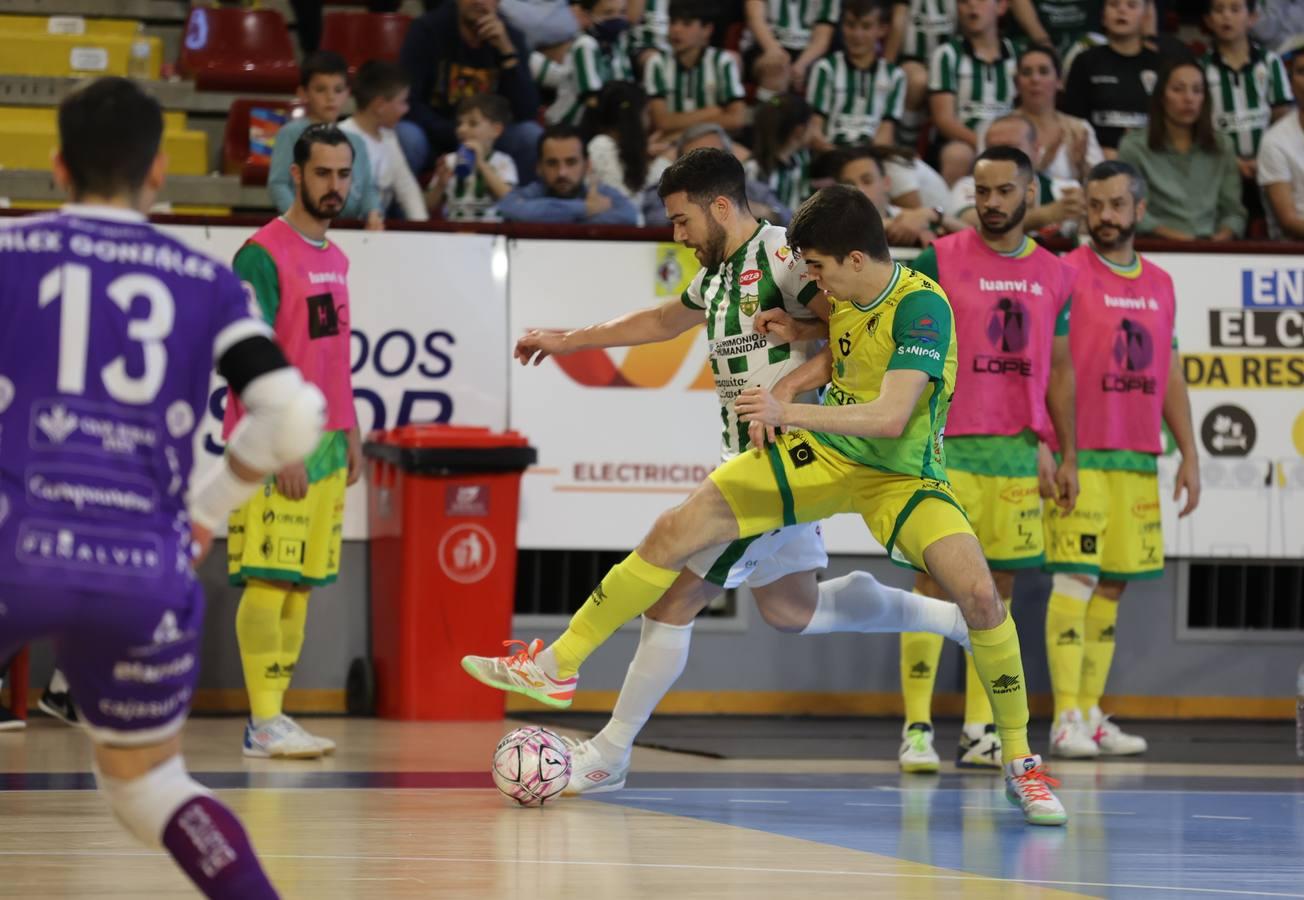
x,y
312,321
1005,311
1121,335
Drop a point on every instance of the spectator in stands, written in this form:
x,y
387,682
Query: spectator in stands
x,y
561,196
1056,23
380,94
784,39
543,22
598,55
918,28
780,157
1110,85
1281,159
914,183
618,149
323,90
1280,24
863,168
694,82
855,93
1190,169
651,31
1068,145
469,183
1248,85
464,47
762,199
971,83
1059,201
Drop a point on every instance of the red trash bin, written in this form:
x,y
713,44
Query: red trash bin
x,y
442,505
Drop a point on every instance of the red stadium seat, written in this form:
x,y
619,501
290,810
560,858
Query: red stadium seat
x,y
236,156
360,36
231,49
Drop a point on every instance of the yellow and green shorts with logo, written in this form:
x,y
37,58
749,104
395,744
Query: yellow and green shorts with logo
x,y
800,479
995,479
275,538
1115,530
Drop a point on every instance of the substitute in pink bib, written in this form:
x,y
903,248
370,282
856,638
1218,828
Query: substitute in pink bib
x,y
311,320
1006,308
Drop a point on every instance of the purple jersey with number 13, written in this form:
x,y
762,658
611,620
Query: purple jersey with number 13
x,y
107,337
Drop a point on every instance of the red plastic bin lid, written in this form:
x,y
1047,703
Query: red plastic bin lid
x,y
452,436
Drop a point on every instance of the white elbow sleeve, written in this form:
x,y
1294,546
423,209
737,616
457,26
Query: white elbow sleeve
x,y
284,421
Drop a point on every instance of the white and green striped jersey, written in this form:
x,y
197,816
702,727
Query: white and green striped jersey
x,y
1243,98
588,66
983,90
653,33
790,179
761,274
932,23
854,102
468,199
793,20
714,81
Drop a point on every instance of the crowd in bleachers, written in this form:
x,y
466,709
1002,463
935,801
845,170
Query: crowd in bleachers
x,y
568,112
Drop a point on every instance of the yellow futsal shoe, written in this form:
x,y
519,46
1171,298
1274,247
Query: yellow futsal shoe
x,y
521,674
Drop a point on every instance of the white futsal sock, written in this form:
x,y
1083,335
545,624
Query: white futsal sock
x,y
859,602
657,664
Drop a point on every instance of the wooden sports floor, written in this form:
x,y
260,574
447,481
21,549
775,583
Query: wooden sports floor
x,y
407,810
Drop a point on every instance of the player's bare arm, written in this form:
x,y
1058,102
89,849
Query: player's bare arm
x,y
814,373
1177,416
884,417
646,326
1059,403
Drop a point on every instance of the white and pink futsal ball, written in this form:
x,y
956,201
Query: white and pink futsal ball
x,y
532,766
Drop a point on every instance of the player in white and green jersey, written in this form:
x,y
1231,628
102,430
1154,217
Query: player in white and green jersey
x,y
855,93
1248,84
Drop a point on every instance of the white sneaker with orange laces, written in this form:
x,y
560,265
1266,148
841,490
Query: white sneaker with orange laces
x,y
520,673
1028,786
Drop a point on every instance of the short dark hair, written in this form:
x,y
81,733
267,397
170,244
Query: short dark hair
x,y
493,107
1044,50
1112,168
703,11
844,156
321,133
1009,155
837,221
860,8
1202,132
378,79
322,62
562,131
704,174
109,135
1249,6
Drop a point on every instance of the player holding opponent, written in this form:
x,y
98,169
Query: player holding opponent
x,y
286,540
748,272
108,332
1129,378
1014,387
874,448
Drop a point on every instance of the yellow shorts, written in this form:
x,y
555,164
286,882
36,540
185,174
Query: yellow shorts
x,y
1114,531
801,480
1006,515
278,539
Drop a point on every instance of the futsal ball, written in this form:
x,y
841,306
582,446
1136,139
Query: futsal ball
x,y
532,766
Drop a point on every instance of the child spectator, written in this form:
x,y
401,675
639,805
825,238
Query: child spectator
x,y
1110,85
1190,169
784,39
469,183
918,28
380,92
651,32
971,81
618,146
855,93
599,54
780,157
323,90
1248,84
695,82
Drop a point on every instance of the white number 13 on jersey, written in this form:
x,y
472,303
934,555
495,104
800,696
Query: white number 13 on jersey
x,y
72,283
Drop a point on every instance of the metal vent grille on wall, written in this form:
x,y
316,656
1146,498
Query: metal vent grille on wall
x,y
556,582
1251,600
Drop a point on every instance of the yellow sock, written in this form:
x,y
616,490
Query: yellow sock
x,y
258,630
294,616
920,652
1098,650
977,708
1066,624
629,589
996,657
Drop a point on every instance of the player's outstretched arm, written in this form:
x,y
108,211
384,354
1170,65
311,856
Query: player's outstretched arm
x,y
1177,416
1059,403
884,417
646,326
814,373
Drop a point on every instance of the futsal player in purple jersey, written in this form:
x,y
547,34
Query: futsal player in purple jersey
x,y
108,333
